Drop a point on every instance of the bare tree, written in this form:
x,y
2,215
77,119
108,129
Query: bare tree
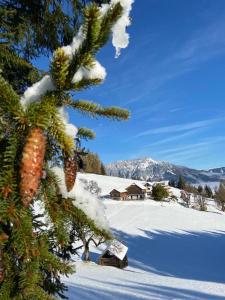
x,y
186,197
201,202
220,196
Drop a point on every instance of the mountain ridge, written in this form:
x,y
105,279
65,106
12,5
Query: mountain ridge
x,y
155,170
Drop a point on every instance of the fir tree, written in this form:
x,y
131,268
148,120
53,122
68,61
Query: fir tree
x,y
181,183
37,136
159,192
172,183
29,29
200,189
208,191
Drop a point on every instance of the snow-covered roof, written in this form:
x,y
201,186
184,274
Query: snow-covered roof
x,y
139,185
120,190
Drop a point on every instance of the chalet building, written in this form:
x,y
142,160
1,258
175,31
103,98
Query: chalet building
x,y
136,192
118,194
148,187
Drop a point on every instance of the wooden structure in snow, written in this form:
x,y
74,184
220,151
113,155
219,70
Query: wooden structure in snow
x,y
136,192
108,259
132,192
118,194
148,187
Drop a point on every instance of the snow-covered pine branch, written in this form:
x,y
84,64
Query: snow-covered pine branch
x,y
120,39
83,199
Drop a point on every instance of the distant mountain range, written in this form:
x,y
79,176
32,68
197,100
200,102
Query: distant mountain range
x,y
155,170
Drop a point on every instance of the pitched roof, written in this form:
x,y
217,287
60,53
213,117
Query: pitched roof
x,y
139,185
120,190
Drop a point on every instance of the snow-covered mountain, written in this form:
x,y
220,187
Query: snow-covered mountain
x,y
155,170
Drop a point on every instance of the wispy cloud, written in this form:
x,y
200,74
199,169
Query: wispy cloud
x,y
178,127
173,138
192,150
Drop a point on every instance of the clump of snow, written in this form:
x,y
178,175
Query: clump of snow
x,y
104,8
71,129
120,36
97,71
71,49
83,199
37,90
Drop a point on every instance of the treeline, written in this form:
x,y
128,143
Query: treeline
x,y
93,164
181,184
205,191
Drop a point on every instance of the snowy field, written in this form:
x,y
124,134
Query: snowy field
x,y
174,252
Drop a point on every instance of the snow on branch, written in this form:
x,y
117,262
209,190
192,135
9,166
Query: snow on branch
x,y
120,38
37,90
83,199
71,49
97,71
71,130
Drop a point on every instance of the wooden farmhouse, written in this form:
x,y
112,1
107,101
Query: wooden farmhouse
x,y
136,192
132,192
118,194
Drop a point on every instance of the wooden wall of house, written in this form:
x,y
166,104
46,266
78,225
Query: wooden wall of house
x,y
134,190
115,194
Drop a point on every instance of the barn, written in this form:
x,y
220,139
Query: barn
x,y
118,194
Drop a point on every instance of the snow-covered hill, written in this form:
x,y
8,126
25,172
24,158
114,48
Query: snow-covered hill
x,y
174,252
154,170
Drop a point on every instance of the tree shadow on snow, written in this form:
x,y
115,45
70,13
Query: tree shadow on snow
x,y
134,291
187,255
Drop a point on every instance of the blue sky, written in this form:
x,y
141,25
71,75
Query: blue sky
x,y
172,79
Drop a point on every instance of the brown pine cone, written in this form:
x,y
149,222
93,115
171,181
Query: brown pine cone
x,y
31,165
70,169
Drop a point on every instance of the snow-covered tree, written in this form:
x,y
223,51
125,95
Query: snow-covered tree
x,y
39,200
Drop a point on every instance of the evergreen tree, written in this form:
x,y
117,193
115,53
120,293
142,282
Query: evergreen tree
x,y
200,189
208,191
35,137
159,192
172,183
29,29
103,170
181,183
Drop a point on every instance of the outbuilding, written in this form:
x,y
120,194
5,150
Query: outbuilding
x,y
118,194
108,259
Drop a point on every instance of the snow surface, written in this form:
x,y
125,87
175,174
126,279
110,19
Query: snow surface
x,y
83,199
174,252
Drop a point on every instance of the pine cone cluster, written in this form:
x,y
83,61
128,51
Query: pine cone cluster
x,y
70,170
31,165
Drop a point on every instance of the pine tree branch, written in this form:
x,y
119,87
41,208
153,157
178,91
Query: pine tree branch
x,y
10,101
94,110
85,133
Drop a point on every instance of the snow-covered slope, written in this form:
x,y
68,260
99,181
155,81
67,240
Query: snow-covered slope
x,y
149,169
174,253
